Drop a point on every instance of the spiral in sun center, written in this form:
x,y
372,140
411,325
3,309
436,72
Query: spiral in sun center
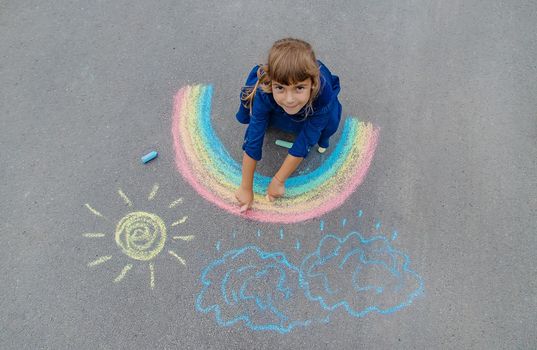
x,y
141,235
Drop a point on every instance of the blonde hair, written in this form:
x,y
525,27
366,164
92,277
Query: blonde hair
x,y
290,61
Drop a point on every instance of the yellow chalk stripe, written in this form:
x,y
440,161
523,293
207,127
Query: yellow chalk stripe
x,y
153,192
94,211
93,235
123,273
181,260
175,202
182,221
152,273
100,260
184,238
124,197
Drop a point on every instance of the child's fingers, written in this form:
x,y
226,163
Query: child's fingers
x,y
245,207
269,198
241,202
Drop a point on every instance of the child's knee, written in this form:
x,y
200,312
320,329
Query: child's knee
x,y
243,118
323,143
328,132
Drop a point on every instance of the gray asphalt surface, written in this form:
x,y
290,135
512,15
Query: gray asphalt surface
x,y
87,88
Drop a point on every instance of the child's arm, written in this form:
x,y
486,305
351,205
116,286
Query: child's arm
x,y
277,185
245,193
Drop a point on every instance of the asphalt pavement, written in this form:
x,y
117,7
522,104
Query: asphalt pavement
x,y
435,249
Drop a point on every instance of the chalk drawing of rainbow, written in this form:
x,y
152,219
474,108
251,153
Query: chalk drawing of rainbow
x,y
204,163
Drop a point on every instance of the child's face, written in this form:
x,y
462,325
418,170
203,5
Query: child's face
x,y
292,97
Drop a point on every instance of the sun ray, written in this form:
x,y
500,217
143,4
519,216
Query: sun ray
x,y
153,192
123,273
100,260
182,221
124,197
93,235
181,260
175,202
184,238
152,273
94,211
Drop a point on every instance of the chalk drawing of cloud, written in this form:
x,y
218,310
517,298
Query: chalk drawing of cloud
x,y
359,275
256,287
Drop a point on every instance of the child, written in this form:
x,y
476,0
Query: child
x,y
293,92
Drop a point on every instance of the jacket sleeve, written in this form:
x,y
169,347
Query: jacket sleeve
x,y
255,133
309,135
243,114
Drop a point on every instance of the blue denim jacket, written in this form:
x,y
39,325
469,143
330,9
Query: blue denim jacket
x,y
266,112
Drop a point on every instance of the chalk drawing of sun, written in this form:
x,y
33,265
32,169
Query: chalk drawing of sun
x,y
140,235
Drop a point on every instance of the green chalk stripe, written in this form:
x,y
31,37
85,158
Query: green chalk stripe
x,y
284,143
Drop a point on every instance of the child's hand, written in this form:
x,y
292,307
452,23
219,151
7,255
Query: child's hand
x,y
276,189
245,198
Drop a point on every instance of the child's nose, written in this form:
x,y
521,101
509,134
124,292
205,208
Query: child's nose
x,y
289,98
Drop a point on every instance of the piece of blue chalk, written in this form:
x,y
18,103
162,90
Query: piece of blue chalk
x,y
284,143
150,156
